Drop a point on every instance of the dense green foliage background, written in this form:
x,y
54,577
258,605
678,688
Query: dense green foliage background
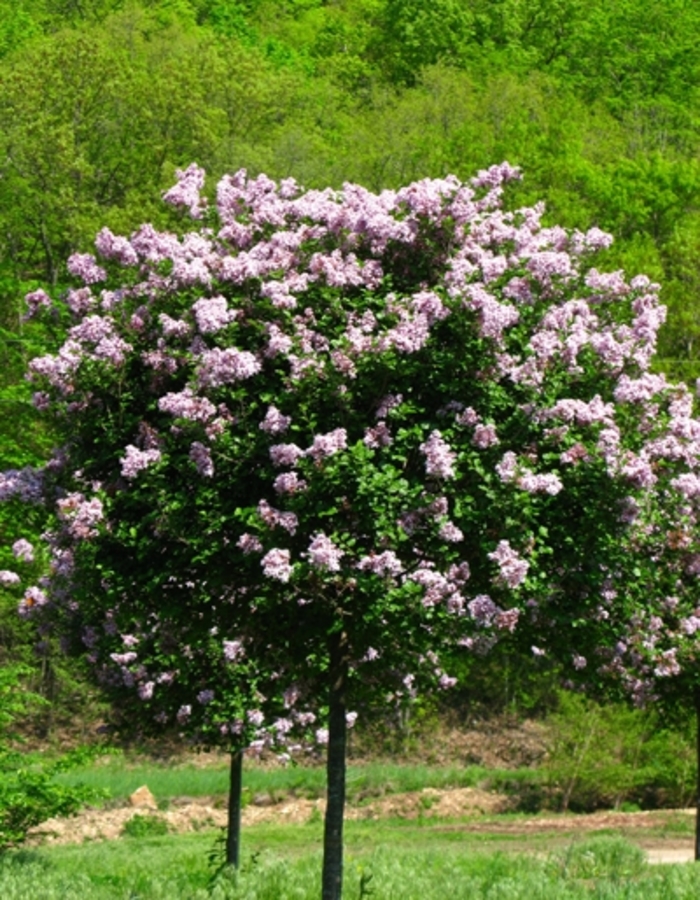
x,y
100,100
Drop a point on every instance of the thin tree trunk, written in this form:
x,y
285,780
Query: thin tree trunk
x,y
697,784
332,878
233,832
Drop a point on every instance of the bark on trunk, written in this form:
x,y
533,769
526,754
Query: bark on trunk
x,y
332,878
233,831
697,785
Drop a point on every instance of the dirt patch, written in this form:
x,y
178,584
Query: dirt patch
x,y
477,809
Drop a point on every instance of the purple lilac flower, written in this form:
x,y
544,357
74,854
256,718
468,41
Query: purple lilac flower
x,y
8,578
201,457
289,483
232,650
513,569
248,543
186,192
273,517
26,484
23,550
285,454
80,515
145,690
212,314
84,266
274,422
382,564
135,460
325,445
439,458
188,405
323,553
482,609
276,564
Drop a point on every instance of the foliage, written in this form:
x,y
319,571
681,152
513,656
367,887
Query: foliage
x,y
29,795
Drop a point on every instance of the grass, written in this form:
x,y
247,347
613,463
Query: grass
x,y
283,863
120,779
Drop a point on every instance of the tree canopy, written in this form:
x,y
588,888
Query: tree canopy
x,y
325,436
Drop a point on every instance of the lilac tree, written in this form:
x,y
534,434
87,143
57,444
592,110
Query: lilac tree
x,y
323,436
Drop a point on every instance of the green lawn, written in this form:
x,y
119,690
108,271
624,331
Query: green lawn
x,y
384,861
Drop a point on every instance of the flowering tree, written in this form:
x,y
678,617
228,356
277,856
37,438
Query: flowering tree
x,y
325,435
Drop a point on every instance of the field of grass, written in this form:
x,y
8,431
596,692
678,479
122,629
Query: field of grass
x,y
423,859
384,862
120,778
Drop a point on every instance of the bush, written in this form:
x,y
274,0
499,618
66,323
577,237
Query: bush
x,y
604,756
29,794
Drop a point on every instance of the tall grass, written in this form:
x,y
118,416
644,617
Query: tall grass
x,y
175,868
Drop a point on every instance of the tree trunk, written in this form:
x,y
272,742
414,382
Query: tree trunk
x,y
332,878
697,783
233,832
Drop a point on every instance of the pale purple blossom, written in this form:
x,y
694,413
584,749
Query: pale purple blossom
x,y
35,301
212,314
135,460
512,568
275,422
80,515
288,483
255,717
84,266
274,517
23,550
124,659
188,405
325,445
248,543
173,327
186,192
385,563
25,484
439,458
232,650
201,457
205,697
449,532
377,437
34,599
506,620
324,554
482,609
485,436
285,454
276,564
219,367
8,578
145,690
387,404
184,713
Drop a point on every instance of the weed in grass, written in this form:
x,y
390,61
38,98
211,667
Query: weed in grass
x,y
139,826
599,857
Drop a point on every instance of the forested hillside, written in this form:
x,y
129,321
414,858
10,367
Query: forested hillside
x,y
101,100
